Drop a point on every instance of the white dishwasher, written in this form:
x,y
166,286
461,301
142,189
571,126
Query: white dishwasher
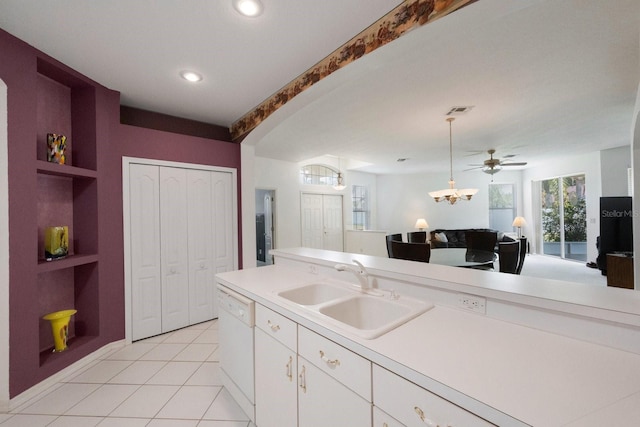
x,y
236,319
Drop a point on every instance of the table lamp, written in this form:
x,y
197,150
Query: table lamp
x,y
519,222
421,224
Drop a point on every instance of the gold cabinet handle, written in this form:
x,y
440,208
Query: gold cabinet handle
x,y
290,369
274,328
423,418
303,379
331,362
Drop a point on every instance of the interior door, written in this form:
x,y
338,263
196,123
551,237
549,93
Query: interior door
x,y
146,295
223,221
268,226
333,239
312,227
322,221
201,254
174,248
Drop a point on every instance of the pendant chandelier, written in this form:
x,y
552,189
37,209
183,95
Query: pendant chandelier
x,y
339,185
452,194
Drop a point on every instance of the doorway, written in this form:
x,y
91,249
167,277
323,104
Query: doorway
x,y
564,220
322,221
265,226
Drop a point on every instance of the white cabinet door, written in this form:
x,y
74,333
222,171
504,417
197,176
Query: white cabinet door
x,y
200,238
174,248
323,401
144,219
275,382
416,407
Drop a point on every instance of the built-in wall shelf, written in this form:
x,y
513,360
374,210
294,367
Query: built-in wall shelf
x,y
68,262
65,195
55,169
75,345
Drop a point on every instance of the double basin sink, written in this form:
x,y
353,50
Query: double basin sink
x,y
365,314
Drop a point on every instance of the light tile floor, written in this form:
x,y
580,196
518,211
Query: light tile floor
x,y
166,381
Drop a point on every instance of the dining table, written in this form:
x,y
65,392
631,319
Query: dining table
x,y
462,257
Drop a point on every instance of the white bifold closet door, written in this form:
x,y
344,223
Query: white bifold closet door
x,y
181,235
174,248
146,280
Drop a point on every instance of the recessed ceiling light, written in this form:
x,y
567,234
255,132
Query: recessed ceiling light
x,y
191,76
249,8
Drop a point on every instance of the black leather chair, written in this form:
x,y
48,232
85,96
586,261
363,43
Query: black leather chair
x,y
392,237
481,240
521,254
411,251
484,241
417,237
508,256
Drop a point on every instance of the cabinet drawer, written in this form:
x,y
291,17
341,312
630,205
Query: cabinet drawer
x,y
414,406
345,366
382,419
277,326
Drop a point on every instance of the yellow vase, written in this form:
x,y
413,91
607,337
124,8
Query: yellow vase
x,y
60,327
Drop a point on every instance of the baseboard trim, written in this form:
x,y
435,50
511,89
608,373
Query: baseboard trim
x,y
43,386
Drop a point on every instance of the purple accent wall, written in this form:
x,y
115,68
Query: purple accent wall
x,y
99,286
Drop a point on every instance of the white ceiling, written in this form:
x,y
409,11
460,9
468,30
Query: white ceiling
x,y
546,78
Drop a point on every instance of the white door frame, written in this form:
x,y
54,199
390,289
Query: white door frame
x,y
126,217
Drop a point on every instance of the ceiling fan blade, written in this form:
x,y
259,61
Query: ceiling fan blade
x,y
470,153
513,164
474,168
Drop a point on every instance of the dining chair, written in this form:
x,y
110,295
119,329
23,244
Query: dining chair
x,y
481,240
392,237
417,237
522,253
411,251
508,256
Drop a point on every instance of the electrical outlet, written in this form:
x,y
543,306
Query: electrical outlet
x,y
473,303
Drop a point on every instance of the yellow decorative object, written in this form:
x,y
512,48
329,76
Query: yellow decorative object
x,y
56,242
60,327
56,147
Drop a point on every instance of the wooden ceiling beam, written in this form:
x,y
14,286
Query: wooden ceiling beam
x,y
408,15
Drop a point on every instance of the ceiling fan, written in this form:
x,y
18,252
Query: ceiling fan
x,y
492,166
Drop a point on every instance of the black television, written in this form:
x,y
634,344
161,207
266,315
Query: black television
x,y
616,228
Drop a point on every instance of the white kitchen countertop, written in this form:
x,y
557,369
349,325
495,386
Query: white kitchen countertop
x,y
537,377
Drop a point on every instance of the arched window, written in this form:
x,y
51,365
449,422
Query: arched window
x,y
318,175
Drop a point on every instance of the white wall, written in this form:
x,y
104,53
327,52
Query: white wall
x,y
587,164
284,178
248,205
614,163
402,199
635,144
